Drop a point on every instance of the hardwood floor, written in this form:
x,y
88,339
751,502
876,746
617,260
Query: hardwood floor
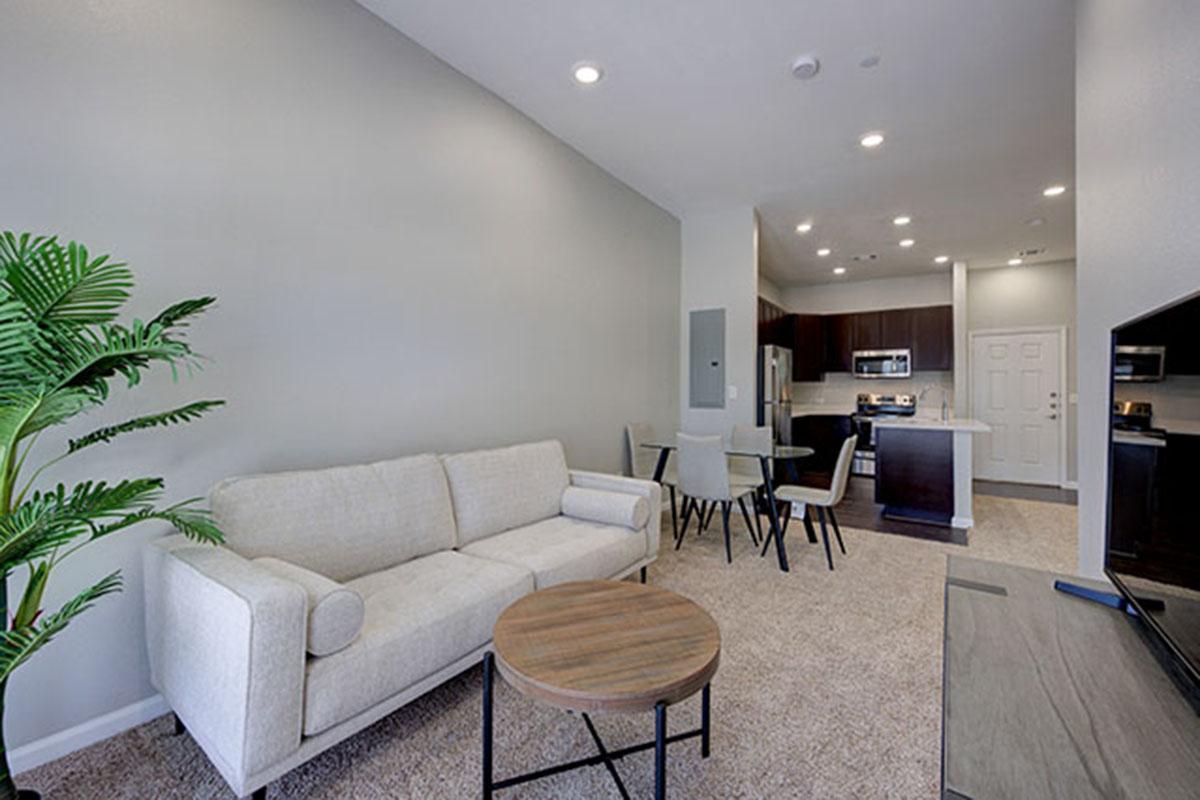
x,y
859,510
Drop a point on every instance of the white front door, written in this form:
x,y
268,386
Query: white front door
x,y
1016,388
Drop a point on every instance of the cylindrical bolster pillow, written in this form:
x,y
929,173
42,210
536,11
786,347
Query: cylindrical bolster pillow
x,y
335,612
610,508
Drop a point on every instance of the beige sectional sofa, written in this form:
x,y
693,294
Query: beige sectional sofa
x,y
344,593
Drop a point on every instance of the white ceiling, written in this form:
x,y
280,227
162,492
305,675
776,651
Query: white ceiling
x,y
698,110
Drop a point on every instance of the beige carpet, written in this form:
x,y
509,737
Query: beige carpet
x,y
829,687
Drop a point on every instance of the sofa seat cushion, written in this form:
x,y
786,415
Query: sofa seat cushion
x,y
563,549
498,490
341,522
420,617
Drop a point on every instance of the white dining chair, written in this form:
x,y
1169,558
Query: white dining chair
x,y
704,477
747,469
823,500
644,460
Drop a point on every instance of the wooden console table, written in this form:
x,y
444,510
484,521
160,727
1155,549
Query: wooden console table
x,y
1049,695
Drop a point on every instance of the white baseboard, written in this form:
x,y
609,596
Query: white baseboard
x,y
962,522
1069,485
63,743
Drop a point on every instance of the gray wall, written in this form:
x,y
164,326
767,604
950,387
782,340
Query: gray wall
x,y
1030,296
404,263
1138,208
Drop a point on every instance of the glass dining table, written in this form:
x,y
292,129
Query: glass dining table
x,y
779,452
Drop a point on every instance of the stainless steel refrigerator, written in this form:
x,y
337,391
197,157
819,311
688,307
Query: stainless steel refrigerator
x,y
775,391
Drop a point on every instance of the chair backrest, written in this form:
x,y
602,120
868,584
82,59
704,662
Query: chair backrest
x,y
754,440
841,471
703,470
642,460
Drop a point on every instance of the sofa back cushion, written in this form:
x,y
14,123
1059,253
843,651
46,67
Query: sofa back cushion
x,y
342,522
497,490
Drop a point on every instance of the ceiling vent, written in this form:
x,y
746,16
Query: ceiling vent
x,y
1030,252
865,257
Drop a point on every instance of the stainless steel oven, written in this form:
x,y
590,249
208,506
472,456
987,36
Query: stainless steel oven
x,y
1142,364
882,363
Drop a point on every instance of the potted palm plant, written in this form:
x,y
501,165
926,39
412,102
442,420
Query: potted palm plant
x,y
61,352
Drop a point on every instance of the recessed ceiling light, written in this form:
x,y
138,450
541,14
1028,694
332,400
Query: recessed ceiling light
x,y
587,74
839,270
901,220
870,62
907,242
805,67
871,140
1036,222
824,251
804,227
941,259
1054,191
1015,262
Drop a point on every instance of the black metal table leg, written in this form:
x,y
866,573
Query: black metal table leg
x,y
660,751
705,721
608,762
773,512
661,467
488,660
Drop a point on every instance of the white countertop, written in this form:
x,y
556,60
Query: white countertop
x,y
932,424
1186,426
1130,437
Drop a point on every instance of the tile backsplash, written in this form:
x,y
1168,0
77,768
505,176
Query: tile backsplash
x,y
840,390
1177,397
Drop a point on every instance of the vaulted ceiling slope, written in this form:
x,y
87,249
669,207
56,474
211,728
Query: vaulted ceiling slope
x,y
698,109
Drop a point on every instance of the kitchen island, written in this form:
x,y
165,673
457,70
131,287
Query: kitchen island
x,y
923,470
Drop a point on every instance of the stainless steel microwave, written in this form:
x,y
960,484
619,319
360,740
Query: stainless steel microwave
x,y
1143,364
882,363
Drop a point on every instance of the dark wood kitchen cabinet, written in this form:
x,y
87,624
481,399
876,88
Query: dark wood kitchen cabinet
x,y
839,341
868,331
896,328
933,338
804,336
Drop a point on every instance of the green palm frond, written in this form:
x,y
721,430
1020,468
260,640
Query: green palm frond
x,y
194,523
173,417
180,314
64,283
17,645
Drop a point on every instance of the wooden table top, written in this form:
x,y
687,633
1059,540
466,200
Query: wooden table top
x,y
606,646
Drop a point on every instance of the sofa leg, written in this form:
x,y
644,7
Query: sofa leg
x,y
259,794
179,729
643,574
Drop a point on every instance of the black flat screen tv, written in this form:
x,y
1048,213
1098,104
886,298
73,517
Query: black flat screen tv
x,y
1152,548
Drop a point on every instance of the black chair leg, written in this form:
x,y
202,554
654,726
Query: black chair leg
x,y
259,794
746,516
757,511
700,517
712,509
688,504
725,505
674,513
837,531
808,525
179,729
787,516
825,536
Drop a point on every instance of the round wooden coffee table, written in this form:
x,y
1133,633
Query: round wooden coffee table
x,y
604,647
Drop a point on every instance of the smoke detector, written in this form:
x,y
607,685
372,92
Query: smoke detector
x,y
805,67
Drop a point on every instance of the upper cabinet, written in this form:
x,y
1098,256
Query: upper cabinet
x,y
933,338
839,341
824,342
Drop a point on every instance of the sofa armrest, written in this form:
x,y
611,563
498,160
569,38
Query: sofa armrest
x,y
617,483
226,641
